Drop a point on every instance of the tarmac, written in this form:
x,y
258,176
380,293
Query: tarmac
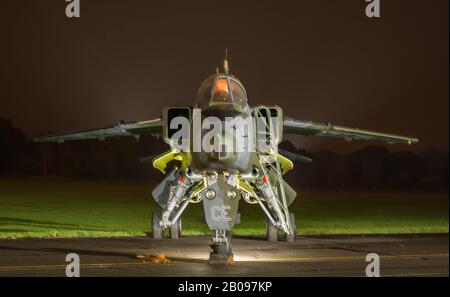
x,y
312,256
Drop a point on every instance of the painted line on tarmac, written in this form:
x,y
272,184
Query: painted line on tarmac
x,y
343,258
414,274
299,259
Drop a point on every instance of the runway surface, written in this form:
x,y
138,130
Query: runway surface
x,y
402,255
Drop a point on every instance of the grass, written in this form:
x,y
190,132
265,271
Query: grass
x,y
42,208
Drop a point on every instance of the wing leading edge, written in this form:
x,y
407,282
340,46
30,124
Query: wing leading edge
x,y
290,126
120,130
307,128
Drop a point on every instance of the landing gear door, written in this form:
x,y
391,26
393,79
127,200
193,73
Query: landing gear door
x,y
221,210
161,192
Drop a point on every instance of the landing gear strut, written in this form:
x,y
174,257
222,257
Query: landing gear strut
x,y
272,232
221,248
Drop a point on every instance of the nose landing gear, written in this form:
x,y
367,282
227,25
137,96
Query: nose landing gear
x,y
221,248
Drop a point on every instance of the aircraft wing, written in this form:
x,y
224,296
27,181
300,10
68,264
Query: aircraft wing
x,y
122,129
307,128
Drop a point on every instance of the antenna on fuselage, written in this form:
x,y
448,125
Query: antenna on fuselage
x,y
225,62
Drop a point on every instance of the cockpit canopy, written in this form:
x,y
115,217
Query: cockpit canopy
x,y
221,90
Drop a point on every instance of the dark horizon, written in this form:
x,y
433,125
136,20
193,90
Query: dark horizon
x,y
319,60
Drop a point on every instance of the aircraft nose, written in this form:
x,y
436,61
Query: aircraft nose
x,y
226,146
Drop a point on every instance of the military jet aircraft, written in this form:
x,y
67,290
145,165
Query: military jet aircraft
x,y
219,174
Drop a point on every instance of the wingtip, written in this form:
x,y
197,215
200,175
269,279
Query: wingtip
x,y
414,141
39,139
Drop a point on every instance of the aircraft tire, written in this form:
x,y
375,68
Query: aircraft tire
x,y
222,252
175,230
157,231
291,237
272,232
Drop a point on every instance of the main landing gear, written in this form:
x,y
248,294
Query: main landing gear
x,y
158,230
272,232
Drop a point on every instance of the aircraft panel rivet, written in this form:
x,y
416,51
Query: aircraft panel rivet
x,y
231,194
210,194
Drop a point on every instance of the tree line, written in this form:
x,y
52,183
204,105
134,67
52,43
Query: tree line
x,y
373,167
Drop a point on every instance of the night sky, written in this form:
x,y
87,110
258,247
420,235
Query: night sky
x,y
319,60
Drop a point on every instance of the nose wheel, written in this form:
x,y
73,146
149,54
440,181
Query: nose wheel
x,y
221,248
